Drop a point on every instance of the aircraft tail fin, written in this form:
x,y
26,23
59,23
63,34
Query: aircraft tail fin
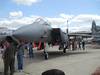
x,y
93,27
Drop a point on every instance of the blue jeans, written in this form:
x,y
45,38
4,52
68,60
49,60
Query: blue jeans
x,y
31,54
20,62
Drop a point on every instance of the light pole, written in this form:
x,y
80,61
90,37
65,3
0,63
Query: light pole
x,y
67,27
68,24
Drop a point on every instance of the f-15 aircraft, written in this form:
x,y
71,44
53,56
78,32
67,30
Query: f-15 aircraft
x,y
40,30
95,33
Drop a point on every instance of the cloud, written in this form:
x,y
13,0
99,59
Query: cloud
x,y
82,22
56,21
60,21
66,16
14,23
26,2
86,18
15,14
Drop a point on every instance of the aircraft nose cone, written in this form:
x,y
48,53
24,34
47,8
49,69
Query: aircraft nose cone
x,y
29,33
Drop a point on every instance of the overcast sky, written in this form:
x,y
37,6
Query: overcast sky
x,y
79,13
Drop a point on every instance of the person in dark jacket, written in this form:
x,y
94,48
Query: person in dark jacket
x,y
10,46
83,44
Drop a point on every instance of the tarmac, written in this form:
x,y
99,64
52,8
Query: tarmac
x,y
78,62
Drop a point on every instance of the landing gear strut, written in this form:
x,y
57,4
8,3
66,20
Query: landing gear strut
x,y
64,50
45,55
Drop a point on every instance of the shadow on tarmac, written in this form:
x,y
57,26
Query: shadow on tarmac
x,y
39,56
57,54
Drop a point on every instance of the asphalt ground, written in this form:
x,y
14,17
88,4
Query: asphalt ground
x,y
78,62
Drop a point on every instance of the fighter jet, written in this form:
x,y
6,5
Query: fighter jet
x,y
95,33
42,31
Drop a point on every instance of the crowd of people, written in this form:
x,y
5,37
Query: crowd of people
x,y
12,47
76,44
16,47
